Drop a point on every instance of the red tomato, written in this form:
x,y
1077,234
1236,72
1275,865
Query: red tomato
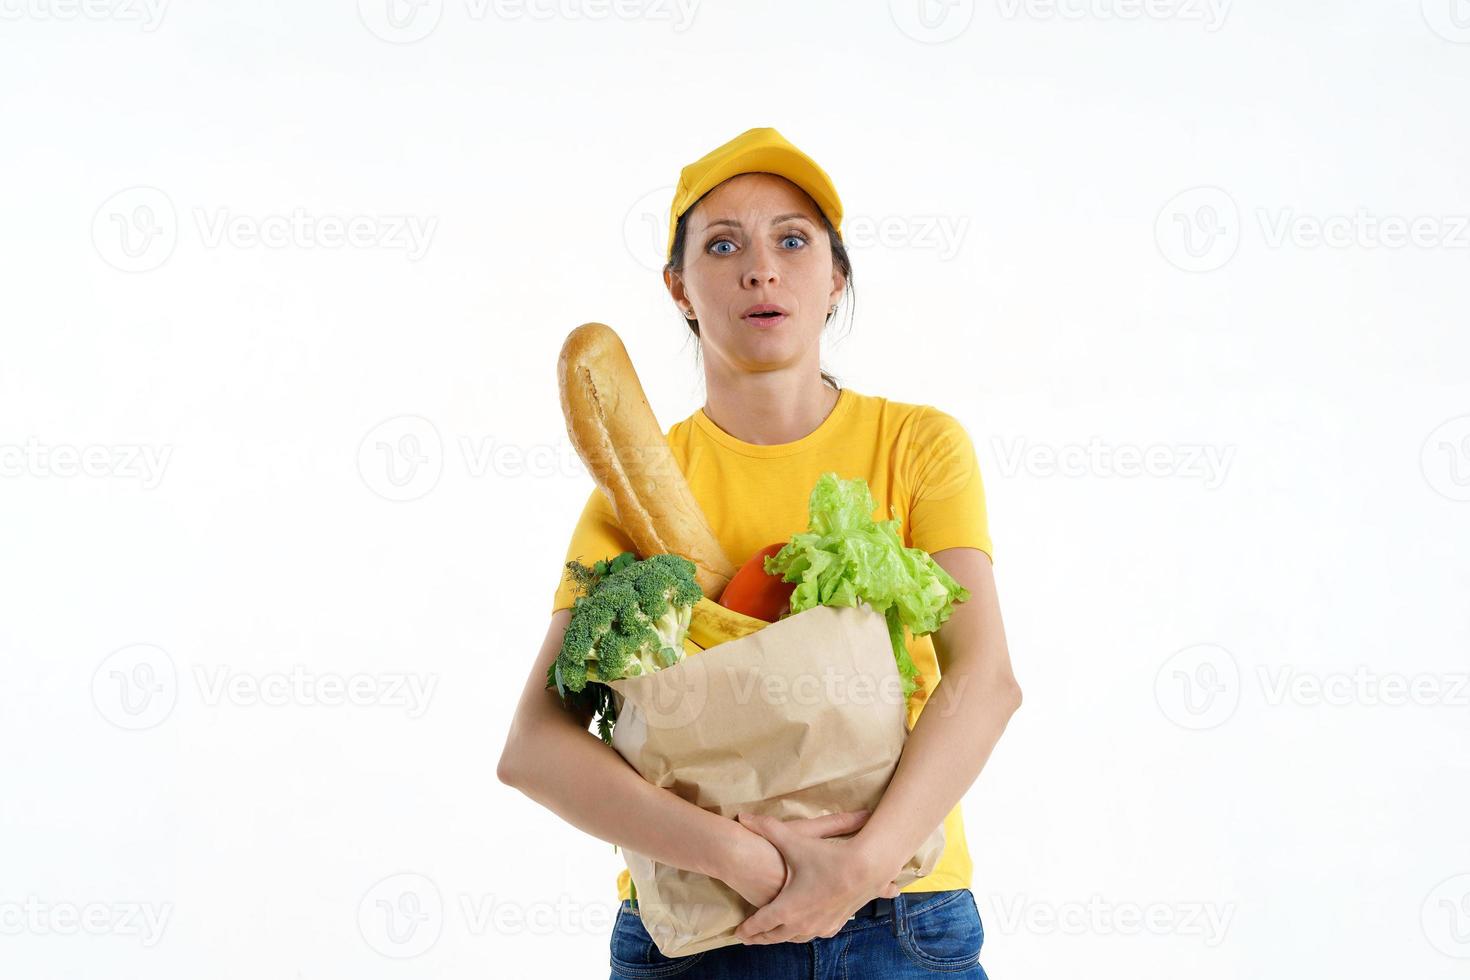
x,y
756,592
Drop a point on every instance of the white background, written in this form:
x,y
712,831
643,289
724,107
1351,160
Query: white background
x,y
360,467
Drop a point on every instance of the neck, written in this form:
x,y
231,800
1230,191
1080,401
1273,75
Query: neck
x,y
768,409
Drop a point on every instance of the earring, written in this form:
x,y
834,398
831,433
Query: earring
x,y
689,314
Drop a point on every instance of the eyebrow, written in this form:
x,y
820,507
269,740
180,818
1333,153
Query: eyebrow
x,y
775,221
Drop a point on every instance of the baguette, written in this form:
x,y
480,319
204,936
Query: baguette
x,y
615,432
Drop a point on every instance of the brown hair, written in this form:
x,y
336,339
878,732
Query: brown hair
x,y
839,258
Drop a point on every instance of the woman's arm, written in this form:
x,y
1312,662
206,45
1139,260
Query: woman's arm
x,y
551,757
955,733
961,723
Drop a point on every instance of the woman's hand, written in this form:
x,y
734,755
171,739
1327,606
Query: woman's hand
x,y
757,871
826,882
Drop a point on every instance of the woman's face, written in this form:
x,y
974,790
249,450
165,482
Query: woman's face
x,y
757,239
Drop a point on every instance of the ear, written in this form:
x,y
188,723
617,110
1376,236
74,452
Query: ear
x,y
839,282
675,285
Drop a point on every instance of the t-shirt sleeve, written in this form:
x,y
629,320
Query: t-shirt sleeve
x,y
947,495
597,535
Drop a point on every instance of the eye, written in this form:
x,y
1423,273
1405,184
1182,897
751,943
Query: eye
x,y
790,236
720,241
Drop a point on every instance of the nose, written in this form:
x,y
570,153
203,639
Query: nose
x,y
761,269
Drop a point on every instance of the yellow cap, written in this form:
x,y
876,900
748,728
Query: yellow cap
x,y
760,150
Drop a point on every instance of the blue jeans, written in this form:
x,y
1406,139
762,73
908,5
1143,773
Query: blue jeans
x,y
929,934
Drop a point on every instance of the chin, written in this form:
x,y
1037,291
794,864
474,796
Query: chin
x,y
774,345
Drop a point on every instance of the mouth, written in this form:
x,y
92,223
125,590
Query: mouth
x,y
764,315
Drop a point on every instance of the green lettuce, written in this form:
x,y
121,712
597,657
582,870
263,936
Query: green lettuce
x,y
845,557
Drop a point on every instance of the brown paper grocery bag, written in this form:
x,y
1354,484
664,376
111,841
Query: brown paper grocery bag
x,y
802,718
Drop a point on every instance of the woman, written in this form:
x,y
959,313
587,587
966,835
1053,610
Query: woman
x,y
757,267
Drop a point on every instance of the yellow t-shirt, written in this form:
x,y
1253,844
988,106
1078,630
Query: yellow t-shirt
x,y
915,458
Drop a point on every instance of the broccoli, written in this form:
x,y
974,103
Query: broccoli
x,y
630,619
